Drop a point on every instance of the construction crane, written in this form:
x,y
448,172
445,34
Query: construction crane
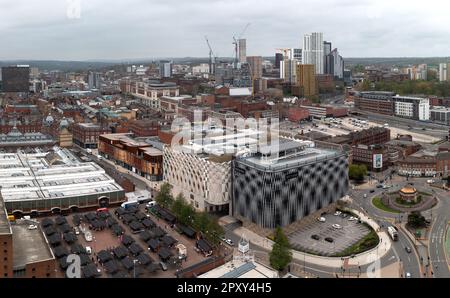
x,y
236,43
211,57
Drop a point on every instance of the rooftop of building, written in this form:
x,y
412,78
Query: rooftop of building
x,y
241,269
30,246
128,140
4,222
51,175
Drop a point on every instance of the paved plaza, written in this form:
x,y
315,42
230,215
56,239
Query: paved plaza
x,y
350,233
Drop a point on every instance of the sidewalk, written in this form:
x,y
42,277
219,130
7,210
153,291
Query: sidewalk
x,y
364,258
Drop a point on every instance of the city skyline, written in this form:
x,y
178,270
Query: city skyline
x,y
139,30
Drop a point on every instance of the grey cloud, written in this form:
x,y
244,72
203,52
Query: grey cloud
x,y
158,28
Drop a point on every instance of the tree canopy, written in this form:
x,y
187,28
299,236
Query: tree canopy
x,y
357,172
281,254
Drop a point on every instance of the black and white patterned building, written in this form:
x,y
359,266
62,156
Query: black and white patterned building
x,y
278,191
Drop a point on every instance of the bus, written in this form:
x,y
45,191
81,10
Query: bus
x,y
392,231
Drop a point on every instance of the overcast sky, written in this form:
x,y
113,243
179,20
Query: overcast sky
x,y
124,29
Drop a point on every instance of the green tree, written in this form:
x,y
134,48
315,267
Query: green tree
x,y
164,196
357,172
178,205
416,220
187,214
281,254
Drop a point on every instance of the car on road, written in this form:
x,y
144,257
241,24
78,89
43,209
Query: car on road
x,y
408,275
229,242
337,213
380,186
408,249
353,218
372,191
344,215
365,195
315,237
336,226
329,239
32,227
321,219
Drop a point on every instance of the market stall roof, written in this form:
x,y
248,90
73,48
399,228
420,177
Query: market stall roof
x,y
153,267
65,228
140,216
111,267
76,219
204,245
158,232
127,218
148,223
60,252
127,240
117,230
90,271
135,249
164,253
145,236
136,226
168,240
104,256
50,230
60,220
127,263
77,249
54,239
111,222
187,230
47,222
70,237
90,216
144,259
153,244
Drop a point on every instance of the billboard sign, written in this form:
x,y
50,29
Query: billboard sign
x,y
378,161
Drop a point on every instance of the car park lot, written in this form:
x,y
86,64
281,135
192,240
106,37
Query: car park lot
x,y
314,237
116,249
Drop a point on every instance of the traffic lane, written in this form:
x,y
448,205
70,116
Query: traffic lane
x,y
437,248
409,261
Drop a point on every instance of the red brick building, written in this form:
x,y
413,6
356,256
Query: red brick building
x,y
86,135
296,114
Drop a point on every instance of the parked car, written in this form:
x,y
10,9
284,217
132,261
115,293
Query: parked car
x,y
329,239
315,237
32,227
352,218
321,219
336,226
229,242
337,213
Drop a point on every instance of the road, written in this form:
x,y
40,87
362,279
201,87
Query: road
x,y
433,129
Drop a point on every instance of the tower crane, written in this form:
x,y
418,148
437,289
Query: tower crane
x,y
212,61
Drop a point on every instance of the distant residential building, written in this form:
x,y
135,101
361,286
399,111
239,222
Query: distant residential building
x,y
255,66
444,69
278,59
306,79
149,93
412,107
94,80
165,69
297,54
440,114
313,51
86,135
242,50
16,78
137,156
203,68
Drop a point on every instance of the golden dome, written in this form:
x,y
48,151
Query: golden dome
x,y
408,190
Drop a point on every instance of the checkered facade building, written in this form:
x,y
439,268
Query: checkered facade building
x,y
280,196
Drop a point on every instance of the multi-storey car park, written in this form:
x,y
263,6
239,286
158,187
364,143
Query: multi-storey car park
x,y
297,180
56,181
